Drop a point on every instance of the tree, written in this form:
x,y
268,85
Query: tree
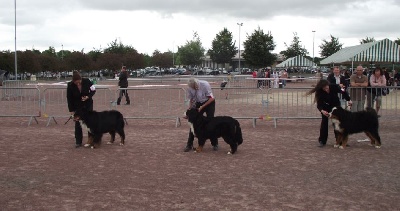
x,y
222,48
78,61
7,61
295,49
28,62
50,52
110,61
162,60
367,40
48,62
330,47
119,48
192,52
258,47
133,60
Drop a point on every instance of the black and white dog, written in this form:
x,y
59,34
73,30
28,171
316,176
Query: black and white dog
x,y
98,123
220,126
346,123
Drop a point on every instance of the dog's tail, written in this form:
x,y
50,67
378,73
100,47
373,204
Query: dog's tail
x,y
238,134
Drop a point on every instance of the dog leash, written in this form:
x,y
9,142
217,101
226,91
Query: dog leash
x,y
70,117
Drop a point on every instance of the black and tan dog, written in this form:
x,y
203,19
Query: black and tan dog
x,y
346,123
220,126
98,123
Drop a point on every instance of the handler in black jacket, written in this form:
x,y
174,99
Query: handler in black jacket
x,y
79,95
326,97
123,83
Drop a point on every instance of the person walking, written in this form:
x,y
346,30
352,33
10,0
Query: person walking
x,y
326,97
79,96
358,82
201,97
123,83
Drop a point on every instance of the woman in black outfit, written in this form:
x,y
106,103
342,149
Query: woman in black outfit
x,y
79,95
326,97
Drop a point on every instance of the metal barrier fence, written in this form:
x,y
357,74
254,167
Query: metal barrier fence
x,y
54,102
24,104
152,103
389,99
15,84
292,103
240,98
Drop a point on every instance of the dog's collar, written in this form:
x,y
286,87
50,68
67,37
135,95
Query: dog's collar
x,y
330,114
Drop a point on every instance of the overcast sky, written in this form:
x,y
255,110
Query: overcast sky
x,y
166,24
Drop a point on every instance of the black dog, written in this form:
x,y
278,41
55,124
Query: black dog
x,y
220,126
98,123
347,123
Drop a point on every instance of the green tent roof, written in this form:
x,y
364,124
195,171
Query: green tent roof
x,y
383,51
297,61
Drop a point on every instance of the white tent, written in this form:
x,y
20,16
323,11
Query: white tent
x,y
297,61
383,51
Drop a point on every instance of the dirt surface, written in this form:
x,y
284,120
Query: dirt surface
x,y
275,169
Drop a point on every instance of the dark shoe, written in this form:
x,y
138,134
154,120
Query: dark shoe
x,y
188,148
215,148
127,103
379,116
321,144
78,145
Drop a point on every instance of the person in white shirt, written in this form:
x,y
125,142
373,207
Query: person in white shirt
x,y
201,97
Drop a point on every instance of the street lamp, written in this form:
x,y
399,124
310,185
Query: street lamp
x,y
62,52
15,40
313,58
240,24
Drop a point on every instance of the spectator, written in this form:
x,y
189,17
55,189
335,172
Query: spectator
x,y
357,91
396,77
336,78
373,92
79,96
260,83
123,83
284,76
326,97
201,97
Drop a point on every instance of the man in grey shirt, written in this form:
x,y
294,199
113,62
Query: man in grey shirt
x,y
201,97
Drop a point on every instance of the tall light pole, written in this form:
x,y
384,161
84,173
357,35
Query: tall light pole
x,y
240,24
15,40
313,58
62,52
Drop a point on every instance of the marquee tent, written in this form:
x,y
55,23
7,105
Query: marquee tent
x,y
383,51
297,61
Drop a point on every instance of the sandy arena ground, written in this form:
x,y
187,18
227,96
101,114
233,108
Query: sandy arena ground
x,y
275,169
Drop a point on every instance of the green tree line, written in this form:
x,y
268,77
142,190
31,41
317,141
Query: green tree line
x,y
257,53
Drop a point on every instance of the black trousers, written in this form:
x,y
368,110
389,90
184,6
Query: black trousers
x,y
323,131
122,93
210,111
